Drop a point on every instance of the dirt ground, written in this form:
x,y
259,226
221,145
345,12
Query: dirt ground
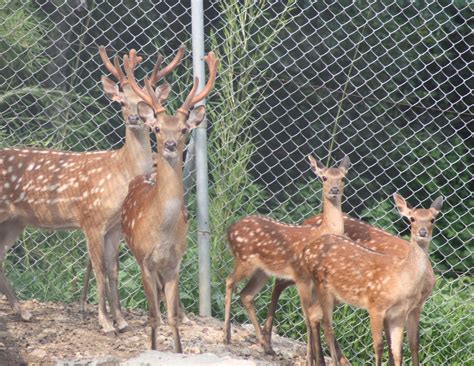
x,y
59,333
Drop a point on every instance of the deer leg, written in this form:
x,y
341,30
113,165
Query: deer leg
x,y
85,289
151,293
9,231
172,310
314,354
240,272
112,242
327,305
376,325
315,319
278,288
386,327
255,284
396,326
95,246
413,333
181,313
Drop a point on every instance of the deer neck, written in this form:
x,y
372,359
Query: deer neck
x,y
169,192
416,263
136,153
333,220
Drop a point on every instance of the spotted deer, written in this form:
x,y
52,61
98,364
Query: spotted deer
x,y
392,288
154,217
356,230
264,247
61,190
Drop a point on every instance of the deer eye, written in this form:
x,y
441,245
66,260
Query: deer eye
x,y
325,178
157,130
184,131
432,221
412,219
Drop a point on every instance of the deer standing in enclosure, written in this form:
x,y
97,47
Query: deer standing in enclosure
x,y
356,230
392,289
69,190
154,218
263,247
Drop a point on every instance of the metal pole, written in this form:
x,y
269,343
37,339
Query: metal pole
x,y
197,15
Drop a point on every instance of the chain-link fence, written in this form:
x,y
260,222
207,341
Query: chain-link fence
x,y
388,83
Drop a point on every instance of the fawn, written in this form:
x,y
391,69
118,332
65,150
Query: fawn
x,y
356,230
392,288
154,217
263,247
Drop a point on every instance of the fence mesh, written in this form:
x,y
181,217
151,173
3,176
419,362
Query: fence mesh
x,y
387,83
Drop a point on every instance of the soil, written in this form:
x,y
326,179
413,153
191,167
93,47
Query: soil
x,y
58,332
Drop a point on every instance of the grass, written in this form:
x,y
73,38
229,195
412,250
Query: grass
x,y
54,272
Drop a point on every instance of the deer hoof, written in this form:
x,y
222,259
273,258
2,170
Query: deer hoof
x,y
269,350
25,315
184,319
110,333
122,326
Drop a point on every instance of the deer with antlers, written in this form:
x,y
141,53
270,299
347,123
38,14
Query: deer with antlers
x,y
70,190
393,289
154,217
264,247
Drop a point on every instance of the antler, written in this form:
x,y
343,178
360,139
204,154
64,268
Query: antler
x,y
148,94
157,74
212,63
115,68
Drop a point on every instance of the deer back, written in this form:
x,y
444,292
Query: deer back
x,y
368,235
55,189
357,275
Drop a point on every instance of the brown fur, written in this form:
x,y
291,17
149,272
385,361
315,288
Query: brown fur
x,y
66,190
263,247
154,220
392,288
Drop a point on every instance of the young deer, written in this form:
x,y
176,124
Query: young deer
x,y
356,230
263,247
393,289
70,190
154,218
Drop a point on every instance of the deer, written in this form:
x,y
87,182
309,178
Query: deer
x,y
357,230
391,288
264,247
61,190
154,216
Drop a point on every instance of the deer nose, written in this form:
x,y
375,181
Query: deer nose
x,y
423,233
334,190
133,119
170,145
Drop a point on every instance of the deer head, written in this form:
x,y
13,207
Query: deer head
x,y
123,92
171,130
332,178
421,219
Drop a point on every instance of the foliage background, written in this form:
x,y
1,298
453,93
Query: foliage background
x,y
389,83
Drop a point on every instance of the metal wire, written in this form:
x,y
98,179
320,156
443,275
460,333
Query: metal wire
x,y
393,77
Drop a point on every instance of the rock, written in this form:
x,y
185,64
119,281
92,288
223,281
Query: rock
x,y
38,353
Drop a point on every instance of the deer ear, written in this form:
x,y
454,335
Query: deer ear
x,y
345,164
111,89
401,204
146,113
196,117
162,92
436,205
317,167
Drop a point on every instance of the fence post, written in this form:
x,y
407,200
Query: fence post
x,y
197,15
